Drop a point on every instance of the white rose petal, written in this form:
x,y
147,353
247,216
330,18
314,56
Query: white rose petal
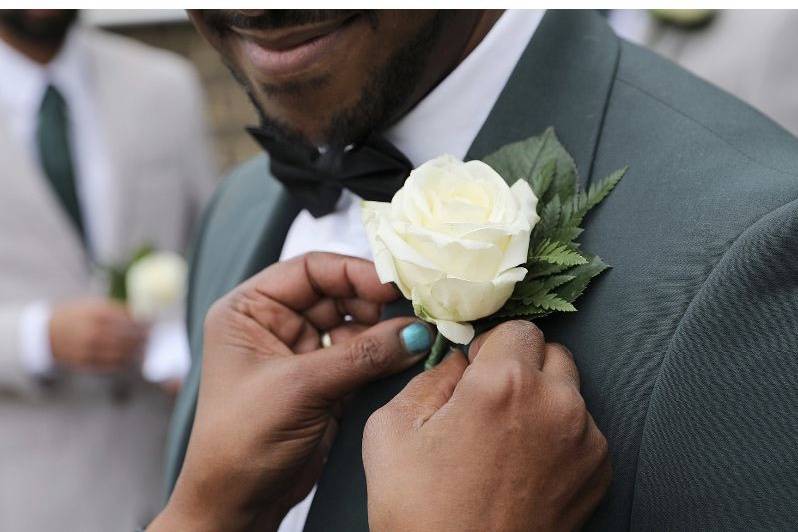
x,y
452,240
459,333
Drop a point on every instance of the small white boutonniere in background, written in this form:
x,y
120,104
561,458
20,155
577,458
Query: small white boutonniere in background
x,y
152,283
687,19
475,243
156,285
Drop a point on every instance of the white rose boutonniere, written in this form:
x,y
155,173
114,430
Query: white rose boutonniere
x,y
475,243
452,240
156,285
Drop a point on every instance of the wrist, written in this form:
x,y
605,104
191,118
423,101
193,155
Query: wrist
x,y
200,510
173,518
178,516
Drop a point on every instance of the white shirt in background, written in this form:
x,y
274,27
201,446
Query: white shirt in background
x,y
630,24
447,120
22,86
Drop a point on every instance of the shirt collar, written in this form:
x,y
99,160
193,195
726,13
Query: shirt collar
x,y
448,119
23,81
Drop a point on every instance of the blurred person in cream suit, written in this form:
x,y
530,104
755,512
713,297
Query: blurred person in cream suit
x,y
750,53
103,150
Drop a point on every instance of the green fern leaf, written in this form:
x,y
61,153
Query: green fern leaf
x,y
529,289
549,219
553,302
557,253
566,234
582,274
598,191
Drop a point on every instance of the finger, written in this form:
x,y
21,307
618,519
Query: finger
x,y
301,282
114,355
327,313
585,502
123,327
114,310
596,484
127,339
428,392
558,361
386,348
516,339
113,349
279,330
346,332
309,339
104,361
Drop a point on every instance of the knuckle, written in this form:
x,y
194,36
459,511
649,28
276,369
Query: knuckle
x,y
570,412
239,301
369,354
524,329
218,314
511,379
376,425
215,313
559,348
312,256
602,446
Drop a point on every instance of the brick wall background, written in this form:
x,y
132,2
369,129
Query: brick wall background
x,y
228,109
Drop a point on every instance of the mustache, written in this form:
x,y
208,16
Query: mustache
x,y
224,19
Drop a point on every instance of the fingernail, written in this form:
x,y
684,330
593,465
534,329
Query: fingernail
x,y
417,338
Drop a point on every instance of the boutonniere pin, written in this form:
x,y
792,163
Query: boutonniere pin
x,y
473,244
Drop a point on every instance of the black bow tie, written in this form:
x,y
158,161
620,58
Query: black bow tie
x,y
374,170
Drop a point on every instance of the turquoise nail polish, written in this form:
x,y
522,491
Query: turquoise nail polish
x,y
416,338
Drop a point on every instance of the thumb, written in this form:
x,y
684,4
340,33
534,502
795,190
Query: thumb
x,y
428,392
387,348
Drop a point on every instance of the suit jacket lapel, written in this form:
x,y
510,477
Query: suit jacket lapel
x,y
563,79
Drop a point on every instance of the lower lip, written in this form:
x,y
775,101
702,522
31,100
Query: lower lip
x,y
292,60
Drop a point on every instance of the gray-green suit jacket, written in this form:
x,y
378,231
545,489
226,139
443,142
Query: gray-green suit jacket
x,y
688,347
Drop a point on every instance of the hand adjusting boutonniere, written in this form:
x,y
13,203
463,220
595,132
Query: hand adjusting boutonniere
x,y
473,244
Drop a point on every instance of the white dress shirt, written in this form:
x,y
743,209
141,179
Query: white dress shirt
x,y
447,120
22,86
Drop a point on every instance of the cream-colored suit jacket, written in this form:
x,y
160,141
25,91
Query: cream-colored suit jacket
x,y
78,454
750,53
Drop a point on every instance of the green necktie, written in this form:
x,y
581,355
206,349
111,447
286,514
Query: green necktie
x,y
52,139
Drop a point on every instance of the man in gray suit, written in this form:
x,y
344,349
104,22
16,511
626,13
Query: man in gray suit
x,y
102,147
686,348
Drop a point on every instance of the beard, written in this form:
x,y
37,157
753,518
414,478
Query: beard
x,y
385,95
47,29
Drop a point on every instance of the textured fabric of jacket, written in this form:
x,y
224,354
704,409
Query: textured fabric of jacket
x,y
687,347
